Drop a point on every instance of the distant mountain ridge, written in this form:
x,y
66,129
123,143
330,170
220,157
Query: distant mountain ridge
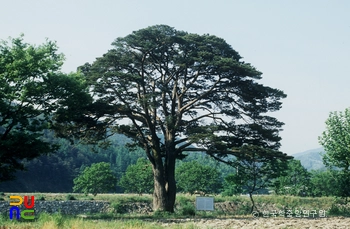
x,y
311,159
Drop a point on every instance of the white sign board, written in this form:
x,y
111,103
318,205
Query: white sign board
x,y
204,203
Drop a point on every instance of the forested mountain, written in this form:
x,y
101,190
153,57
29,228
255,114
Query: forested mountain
x,y
55,172
311,159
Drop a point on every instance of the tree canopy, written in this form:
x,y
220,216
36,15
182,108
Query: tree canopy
x,y
180,92
294,181
138,178
97,178
336,142
257,167
195,177
325,183
33,93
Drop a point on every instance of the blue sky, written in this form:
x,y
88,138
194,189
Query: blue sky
x,y
301,46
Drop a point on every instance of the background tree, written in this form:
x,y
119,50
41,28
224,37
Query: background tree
x,y
233,185
295,181
257,167
32,91
336,142
177,89
205,159
138,178
193,176
324,183
98,178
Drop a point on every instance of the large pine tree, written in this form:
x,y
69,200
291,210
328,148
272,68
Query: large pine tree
x,y
181,92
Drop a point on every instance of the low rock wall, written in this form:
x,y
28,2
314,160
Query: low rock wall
x,y
70,207
76,207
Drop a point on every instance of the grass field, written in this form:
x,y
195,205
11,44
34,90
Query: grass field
x,y
185,215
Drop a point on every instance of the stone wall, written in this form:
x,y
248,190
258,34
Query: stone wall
x,y
70,207
76,207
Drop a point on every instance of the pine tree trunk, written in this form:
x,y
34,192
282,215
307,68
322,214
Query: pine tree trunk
x,y
164,194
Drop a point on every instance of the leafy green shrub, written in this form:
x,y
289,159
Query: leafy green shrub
x,y
161,214
243,209
340,200
334,210
70,197
118,207
339,210
183,200
188,210
339,207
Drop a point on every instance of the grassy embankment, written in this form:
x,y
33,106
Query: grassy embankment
x,y
119,218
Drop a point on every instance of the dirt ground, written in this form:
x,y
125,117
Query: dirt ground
x,y
257,223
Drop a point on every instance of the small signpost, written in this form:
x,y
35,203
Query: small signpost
x,y
204,203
